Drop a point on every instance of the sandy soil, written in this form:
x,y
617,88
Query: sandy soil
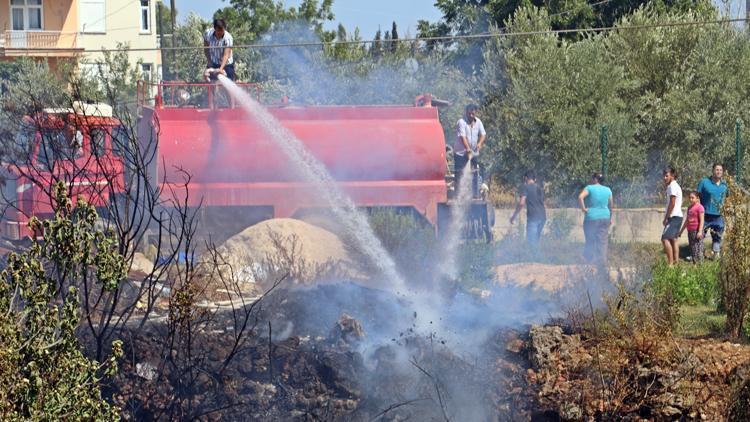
x,y
546,277
287,243
552,278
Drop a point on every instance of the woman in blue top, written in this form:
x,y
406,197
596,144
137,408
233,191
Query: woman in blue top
x,y
596,203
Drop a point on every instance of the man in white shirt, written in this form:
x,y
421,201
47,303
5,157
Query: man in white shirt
x,y
218,50
672,217
470,136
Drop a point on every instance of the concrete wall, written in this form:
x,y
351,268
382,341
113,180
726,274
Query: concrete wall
x,y
629,225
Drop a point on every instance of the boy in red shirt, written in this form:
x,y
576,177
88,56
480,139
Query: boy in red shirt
x,y
694,224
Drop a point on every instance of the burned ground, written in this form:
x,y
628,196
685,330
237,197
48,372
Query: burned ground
x,y
339,364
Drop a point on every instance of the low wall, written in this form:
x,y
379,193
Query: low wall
x,y
629,225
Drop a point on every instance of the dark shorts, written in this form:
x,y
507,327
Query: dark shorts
x,y
228,68
672,229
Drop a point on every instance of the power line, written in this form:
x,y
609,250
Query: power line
x,y
485,35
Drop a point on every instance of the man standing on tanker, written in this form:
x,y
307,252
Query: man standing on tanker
x,y
217,43
470,136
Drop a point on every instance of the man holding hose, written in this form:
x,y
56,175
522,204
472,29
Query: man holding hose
x,y
217,43
470,136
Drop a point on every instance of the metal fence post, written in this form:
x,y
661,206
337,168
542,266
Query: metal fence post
x,y
603,146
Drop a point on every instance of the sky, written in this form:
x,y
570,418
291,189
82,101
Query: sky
x,y
367,15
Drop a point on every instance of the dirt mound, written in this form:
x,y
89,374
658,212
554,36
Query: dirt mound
x,y
554,278
141,264
546,277
308,251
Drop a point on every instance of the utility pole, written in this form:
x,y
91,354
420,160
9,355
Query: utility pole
x,y
747,15
160,30
174,37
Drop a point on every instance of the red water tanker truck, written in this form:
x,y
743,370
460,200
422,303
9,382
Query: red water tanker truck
x,y
73,145
381,156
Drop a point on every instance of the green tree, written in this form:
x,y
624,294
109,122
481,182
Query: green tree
x,y
690,86
472,17
669,95
43,373
463,15
546,101
376,49
394,38
190,62
164,31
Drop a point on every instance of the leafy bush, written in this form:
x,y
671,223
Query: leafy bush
x,y
688,284
43,373
735,258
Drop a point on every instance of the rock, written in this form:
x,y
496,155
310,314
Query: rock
x,y
739,374
739,406
570,412
347,329
145,370
669,412
141,263
544,343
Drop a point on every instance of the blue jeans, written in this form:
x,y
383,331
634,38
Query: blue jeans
x,y
534,232
715,223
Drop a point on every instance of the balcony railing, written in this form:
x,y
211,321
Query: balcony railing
x,y
52,40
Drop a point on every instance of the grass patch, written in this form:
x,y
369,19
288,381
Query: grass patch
x,y
512,249
688,284
697,321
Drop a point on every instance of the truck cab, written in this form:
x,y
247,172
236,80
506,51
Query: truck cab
x,y
78,146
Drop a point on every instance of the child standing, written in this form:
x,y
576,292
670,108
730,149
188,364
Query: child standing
x,y
672,216
694,224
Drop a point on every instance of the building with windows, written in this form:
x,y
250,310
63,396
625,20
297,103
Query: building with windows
x,y
105,23
39,28
64,29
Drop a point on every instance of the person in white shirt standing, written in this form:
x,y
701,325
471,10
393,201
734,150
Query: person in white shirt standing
x,y
672,217
470,136
217,43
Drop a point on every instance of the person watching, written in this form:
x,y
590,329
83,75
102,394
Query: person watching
x,y
712,191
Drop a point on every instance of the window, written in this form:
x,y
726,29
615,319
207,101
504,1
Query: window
x,y
145,16
59,144
26,15
120,140
24,142
93,16
98,138
146,70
